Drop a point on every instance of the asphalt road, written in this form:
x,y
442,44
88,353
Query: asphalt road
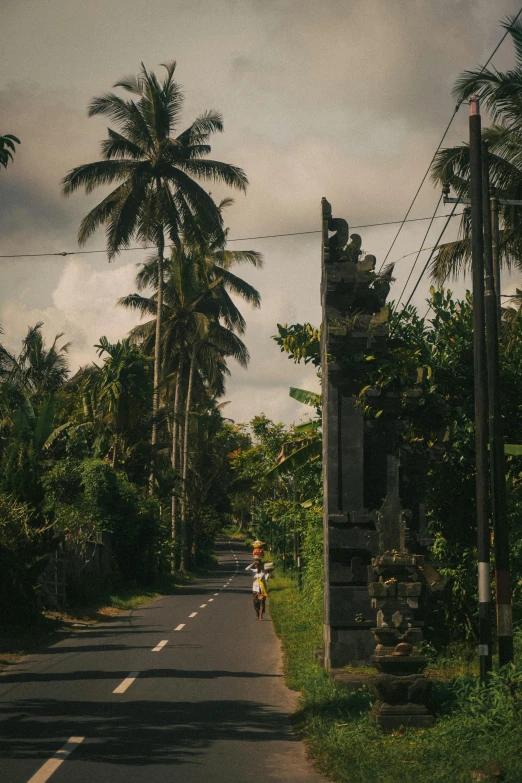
x,y
188,688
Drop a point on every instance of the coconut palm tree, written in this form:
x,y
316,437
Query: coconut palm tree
x,y
199,324
501,95
156,168
37,371
117,392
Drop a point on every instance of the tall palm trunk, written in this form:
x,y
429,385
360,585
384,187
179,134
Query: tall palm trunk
x,y
174,459
114,452
157,358
186,436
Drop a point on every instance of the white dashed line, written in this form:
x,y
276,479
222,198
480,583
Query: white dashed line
x,y
122,687
202,606
179,627
193,614
210,600
45,772
216,593
160,646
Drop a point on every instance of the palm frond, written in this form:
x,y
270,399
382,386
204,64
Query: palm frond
x,y
92,175
215,171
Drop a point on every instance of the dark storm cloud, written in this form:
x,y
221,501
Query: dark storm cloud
x,y
342,98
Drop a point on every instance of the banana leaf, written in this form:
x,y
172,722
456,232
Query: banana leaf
x,y
297,459
306,397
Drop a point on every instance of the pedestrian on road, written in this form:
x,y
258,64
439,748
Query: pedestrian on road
x,y
259,587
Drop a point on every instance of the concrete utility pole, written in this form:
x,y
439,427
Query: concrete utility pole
x,y
491,231
496,441
480,386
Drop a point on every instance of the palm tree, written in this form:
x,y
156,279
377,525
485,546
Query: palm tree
x,y
157,195
37,371
197,298
501,94
117,393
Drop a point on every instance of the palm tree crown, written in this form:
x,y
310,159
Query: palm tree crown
x,y
153,166
501,95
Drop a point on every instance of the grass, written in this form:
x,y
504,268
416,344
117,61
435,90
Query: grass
x,y
473,725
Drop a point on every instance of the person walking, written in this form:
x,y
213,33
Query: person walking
x,y
259,593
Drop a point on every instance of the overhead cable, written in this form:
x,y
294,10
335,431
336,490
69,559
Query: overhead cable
x,y
236,239
420,251
430,256
448,126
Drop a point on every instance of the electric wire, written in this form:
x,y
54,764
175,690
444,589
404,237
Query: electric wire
x,y
430,256
420,251
448,126
237,239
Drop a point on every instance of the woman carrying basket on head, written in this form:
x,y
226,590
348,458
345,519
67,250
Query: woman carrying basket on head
x,y
259,587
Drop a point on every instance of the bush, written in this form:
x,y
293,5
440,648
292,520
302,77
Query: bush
x,y
23,550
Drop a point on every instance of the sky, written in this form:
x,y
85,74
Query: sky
x,y
346,99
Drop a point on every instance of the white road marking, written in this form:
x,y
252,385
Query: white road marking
x,y
216,593
160,646
202,606
210,600
122,687
45,772
179,627
193,614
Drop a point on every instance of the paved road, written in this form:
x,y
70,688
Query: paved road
x,y
188,688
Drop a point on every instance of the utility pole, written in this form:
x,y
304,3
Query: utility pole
x,y
480,388
496,441
495,250
491,229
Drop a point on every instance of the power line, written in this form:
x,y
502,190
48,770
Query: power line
x,y
421,249
237,239
430,256
448,126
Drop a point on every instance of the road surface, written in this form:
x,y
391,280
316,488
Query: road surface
x,y
187,688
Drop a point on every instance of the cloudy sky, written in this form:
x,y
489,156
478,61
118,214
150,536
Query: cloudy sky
x,y
339,98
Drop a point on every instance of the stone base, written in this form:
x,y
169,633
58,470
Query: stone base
x,y
391,717
350,682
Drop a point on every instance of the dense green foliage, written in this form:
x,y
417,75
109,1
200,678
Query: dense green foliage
x,y
281,473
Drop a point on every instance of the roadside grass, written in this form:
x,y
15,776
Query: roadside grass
x,y
474,725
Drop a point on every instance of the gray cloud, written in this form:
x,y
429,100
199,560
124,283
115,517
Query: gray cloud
x,y
343,98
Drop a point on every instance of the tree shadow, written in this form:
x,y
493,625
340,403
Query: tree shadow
x,y
118,676
136,732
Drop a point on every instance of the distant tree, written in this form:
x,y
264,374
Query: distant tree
x,y
200,321
37,370
117,393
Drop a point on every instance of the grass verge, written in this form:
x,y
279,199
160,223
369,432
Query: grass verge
x,y
474,725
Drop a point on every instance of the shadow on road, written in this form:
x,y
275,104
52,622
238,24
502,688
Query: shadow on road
x,y
138,732
117,676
